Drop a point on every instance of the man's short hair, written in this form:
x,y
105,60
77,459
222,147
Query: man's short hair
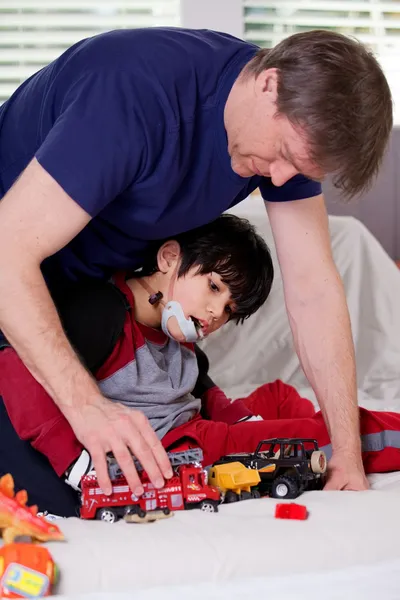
x,y
231,247
333,87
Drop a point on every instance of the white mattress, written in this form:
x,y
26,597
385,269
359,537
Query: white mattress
x,y
349,540
348,548
357,583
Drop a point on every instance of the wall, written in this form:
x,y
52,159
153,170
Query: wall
x,y
379,209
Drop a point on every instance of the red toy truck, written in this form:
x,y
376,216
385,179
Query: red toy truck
x,y
188,488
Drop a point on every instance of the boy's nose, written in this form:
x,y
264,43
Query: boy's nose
x,y
216,311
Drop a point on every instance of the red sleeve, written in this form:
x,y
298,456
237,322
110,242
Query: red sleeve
x,y
217,407
34,415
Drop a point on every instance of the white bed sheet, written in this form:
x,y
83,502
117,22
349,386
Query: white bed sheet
x,y
357,583
347,537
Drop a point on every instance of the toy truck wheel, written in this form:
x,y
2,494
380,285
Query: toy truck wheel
x,y
285,487
245,496
209,506
255,494
318,462
166,511
231,496
107,514
136,510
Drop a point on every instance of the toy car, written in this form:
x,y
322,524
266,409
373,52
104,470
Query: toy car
x,y
149,517
287,466
26,571
234,481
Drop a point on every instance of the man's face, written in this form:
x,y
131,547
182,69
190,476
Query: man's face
x,y
263,142
205,299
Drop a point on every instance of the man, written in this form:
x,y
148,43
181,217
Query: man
x,y
136,135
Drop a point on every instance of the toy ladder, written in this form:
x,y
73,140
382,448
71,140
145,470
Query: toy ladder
x,y
185,457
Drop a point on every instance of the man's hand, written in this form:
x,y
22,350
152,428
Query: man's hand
x,y
104,426
346,472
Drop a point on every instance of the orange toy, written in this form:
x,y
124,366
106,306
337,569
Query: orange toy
x,y
17,519
26,571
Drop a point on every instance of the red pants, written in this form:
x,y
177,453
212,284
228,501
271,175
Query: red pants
x,y
36,418
287,414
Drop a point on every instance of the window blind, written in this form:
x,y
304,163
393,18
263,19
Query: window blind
x,y
374,22
34,32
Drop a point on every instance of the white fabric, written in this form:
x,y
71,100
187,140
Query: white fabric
x,y
266,351
80,468
349,546
346,532
357,583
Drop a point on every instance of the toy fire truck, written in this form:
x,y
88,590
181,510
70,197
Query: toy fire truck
x,y
187,488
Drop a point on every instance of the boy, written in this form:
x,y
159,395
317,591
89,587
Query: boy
x,y
188,288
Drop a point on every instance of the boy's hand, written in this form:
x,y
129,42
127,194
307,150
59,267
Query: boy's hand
x,y
105,426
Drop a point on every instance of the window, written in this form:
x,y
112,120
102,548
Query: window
x,y
34,32
374,22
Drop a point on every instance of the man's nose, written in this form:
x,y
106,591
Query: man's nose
x,y
281,172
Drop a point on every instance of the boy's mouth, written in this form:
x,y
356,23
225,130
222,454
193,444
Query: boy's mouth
x,y
201,326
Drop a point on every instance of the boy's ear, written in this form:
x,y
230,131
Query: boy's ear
x,y
168,256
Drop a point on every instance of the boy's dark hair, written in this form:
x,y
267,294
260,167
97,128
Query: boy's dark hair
x,y
230,247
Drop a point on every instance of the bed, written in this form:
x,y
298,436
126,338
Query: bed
x,y
349,546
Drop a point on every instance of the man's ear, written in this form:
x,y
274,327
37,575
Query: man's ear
x,y
267,83
168,256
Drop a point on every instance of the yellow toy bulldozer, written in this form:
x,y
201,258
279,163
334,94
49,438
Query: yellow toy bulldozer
x,y
234,481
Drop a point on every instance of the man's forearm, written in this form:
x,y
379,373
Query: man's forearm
x,y
30,322
322,334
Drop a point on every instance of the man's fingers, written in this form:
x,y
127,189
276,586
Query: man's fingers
x,y
100,464
129,430
126,464
346,479
162,459
332,484
336,479
156,449
147,459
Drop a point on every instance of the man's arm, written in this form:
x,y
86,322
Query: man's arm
x,y
320,323
37,218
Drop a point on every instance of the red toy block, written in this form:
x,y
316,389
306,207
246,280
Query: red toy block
x,y
291,511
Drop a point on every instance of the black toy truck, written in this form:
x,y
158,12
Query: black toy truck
x,y
287,466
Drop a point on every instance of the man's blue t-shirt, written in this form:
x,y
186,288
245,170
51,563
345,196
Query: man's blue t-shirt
x,y
130,124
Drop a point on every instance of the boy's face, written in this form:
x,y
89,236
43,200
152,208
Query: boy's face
x,y
205,299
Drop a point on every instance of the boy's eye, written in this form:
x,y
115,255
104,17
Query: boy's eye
x,y
214,286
